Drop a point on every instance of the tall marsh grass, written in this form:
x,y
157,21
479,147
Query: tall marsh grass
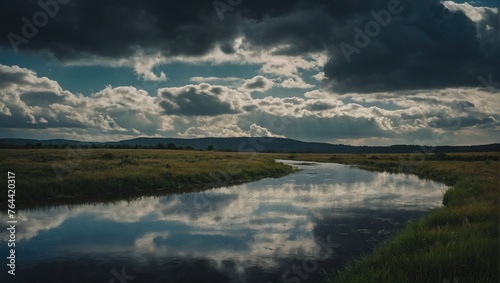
x,y
456,243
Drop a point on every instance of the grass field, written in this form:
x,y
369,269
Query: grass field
x,y
43,174
456,243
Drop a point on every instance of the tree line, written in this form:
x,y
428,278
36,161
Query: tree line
x,y
170,146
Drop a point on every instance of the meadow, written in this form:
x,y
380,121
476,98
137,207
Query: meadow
x,y
48,174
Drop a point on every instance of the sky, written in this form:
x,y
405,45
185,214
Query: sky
x,y
377,72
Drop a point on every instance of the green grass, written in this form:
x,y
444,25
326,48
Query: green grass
x,y
43,174
455,243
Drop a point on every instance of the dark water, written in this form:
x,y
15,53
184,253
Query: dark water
x,y
276,230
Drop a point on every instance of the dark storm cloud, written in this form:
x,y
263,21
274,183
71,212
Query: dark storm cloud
x,y
12,78
319,106
462,122
258,83
42,99
200,100
425,46
301,31
116,28
422,46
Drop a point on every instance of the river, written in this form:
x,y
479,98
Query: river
x,y
287,229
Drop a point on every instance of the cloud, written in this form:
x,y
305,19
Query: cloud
x,y
319,76
31,102
258,131
201,100
476,14
15,78
223,126
131,109
439,117
228,81
257,84
462,122
295,82
144,64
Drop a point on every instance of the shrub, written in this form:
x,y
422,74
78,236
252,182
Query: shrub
x,y
127,160
107,156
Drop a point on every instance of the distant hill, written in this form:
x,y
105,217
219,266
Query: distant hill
x,y
250,144
22,142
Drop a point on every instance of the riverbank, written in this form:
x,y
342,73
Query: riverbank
x,y
455,243
72,174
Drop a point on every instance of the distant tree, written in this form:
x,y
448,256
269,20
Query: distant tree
x,y
160,146
210,147
171,146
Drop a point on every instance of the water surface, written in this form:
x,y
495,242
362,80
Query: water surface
x,y
288,229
